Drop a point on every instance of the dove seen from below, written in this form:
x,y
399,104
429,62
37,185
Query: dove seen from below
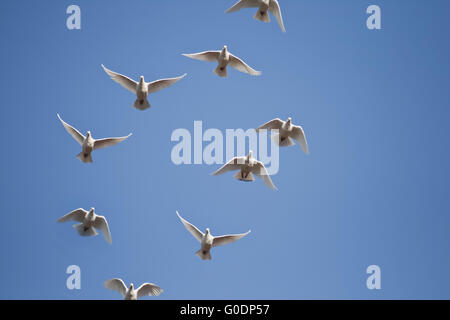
x,y
89,221
141,89
146,289
89,144
264,7
224,58
207,240
286,132
247,166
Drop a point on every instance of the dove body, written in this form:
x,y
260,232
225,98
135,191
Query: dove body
x,y
207,240
146,289
223,58
87,147
131,293
286,133
142,89
247,166
264,7
88,222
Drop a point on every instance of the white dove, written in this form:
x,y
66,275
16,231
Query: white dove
x,y
147,289
88,143
89,222
286,131
247,166
264,7
207,240
224,58
142,89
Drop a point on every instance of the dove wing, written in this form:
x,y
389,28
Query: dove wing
x,y
274,8
158,85
108,142
116,285
260,170
242,4
241,66
124,81
210,56
102,225
192,229
72,131
233,164
299,135
75,215
149,289
221,240
272,124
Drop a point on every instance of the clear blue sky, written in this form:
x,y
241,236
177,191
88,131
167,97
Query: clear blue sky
x,y
374,190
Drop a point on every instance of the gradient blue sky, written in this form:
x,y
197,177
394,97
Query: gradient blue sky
x,y
374,190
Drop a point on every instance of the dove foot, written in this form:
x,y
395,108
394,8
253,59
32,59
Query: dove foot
x,y
141,101
262,13
85,155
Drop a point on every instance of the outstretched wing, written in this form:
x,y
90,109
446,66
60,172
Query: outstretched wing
x,y
124,81
102,225
72,131
149,289
271,125
158,85
75,215
108,142
242,4
260,170
116,285
210,56
299,135
274,8
219,241
192,229
241,66
233,164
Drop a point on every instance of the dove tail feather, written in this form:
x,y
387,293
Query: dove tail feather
x,y
247,178
221,71
141,104
283,142
262,16
85,158
204,255
85,232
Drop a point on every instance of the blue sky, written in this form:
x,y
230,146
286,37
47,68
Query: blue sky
x,y
374,190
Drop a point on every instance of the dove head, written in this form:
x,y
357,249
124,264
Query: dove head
x,y
131,286
88,133
207,231
250,154
141,79
289,120
225,48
